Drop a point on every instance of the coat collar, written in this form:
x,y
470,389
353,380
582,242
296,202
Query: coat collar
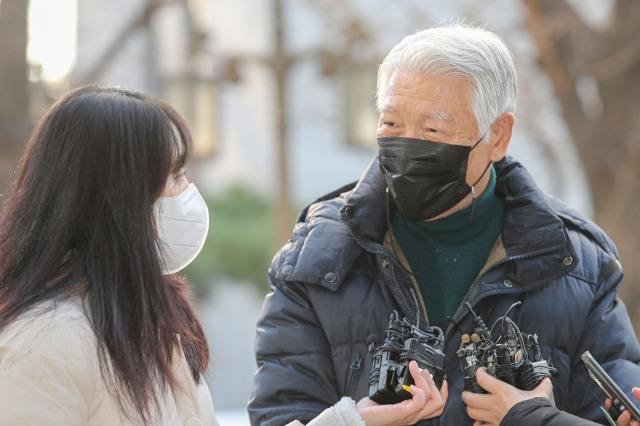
x,y
332,231
530,223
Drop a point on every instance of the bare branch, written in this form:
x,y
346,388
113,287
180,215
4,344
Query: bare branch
x,y
139,21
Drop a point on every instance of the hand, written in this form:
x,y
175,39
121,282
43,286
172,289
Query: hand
x,y
625,417
490,408
427,402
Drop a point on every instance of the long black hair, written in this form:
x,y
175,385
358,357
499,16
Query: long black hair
x,y
78,221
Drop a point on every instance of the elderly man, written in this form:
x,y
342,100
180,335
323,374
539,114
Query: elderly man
x,y
444,228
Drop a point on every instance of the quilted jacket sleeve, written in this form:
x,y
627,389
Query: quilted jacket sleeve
x,y
295,377
608,334
540,412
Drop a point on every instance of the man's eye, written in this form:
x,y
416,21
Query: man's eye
x,y
389,123
432,130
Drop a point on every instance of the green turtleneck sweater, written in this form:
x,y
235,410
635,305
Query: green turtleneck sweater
x,y
448,254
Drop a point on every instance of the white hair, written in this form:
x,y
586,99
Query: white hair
x,y
473,53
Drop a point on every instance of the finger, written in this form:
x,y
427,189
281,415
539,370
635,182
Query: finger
x,y
414,406
431,402
636,393
418,398
444,391
488,382
624,419
422,379
438,398
431,383
477,414
476,400
416,371
545,388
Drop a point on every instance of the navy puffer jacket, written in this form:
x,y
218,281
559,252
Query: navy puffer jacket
x,y
334,286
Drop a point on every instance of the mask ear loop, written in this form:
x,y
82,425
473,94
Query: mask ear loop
x,y
394,241
473,189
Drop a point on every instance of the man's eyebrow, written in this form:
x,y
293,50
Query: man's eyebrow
x,y
438,115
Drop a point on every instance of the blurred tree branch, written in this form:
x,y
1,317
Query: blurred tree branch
x,y
141,20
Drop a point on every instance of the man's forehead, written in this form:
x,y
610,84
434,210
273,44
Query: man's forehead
x,y
431,87
436,115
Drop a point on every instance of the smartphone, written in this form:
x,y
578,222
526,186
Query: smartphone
x,y
620,401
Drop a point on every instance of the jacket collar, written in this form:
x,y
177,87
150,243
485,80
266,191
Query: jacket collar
x,y
366,207
529,223
356,215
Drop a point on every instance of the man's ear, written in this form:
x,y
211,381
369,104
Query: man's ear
x,y
501,136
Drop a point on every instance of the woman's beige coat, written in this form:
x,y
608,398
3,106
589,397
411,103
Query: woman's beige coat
x,y
50,375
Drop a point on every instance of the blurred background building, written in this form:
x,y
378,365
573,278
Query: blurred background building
x,y
280,98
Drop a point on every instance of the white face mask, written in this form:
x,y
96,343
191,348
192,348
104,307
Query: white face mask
x,y
182,222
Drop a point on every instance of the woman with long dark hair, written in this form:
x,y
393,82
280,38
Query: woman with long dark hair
x,y
95,328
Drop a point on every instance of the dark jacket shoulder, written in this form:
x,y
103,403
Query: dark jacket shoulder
x,y
323,247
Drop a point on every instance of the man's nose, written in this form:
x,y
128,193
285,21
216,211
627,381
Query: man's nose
x,y
412,132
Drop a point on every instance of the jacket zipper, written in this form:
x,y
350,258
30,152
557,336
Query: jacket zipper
x,y
375,250
353,373
511,259
378,249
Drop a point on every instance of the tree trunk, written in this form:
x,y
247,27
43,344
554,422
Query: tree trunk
x,y
14,90
596,76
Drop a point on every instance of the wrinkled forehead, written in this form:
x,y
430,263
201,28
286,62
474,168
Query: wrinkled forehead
x,y
416,86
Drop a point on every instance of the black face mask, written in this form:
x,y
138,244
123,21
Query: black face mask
x,y
425,178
